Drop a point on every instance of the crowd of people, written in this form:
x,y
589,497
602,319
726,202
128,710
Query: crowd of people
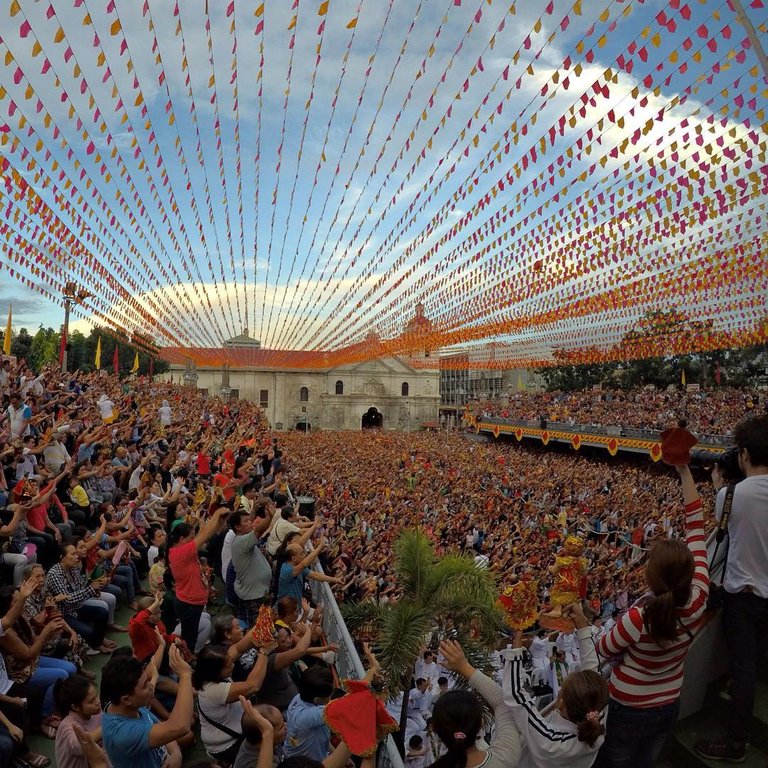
x,y
707,412
184,508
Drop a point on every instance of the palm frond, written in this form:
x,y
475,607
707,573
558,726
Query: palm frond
x,y
403,630
457,577
362,614
414,561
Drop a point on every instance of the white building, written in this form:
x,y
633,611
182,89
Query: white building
x,y
297,389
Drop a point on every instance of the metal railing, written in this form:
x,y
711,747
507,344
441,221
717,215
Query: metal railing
x,y
597,429
348,663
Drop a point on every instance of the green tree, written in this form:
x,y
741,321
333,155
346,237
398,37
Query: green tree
x,y
21,344
44,348
440,595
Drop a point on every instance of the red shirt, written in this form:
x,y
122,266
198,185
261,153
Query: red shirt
x,y
142,634
185,568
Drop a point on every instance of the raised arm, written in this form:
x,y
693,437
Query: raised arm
x,y
284,658
210,526
182,714
506,741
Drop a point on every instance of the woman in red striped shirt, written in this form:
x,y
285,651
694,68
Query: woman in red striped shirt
x,y
652,640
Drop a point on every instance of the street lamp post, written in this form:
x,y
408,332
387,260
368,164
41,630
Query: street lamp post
x,y
72,294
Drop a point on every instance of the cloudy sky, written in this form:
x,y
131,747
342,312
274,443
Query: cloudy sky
x,y
311,170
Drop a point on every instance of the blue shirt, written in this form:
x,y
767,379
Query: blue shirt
x,y
306,734
126,740
291,585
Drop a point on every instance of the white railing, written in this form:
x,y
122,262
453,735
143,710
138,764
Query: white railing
x,y
348,663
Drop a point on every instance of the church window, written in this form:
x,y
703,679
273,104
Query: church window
x,y
404,389
303,395
339,387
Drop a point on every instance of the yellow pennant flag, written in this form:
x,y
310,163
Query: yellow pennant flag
x,y
135,363
352,24
7,339
97,361
323,9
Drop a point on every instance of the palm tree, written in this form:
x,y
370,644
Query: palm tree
x,y
448,596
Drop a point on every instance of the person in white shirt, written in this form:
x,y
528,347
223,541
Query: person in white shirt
x,y
5,379
157,539
571,735
165,414
746,580
569,645
55,454
19,416
557,672
106,408
426,667
540,650
417,754
418,702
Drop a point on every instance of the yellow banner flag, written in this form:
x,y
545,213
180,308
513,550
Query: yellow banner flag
x,y
135,363
97,361
7,339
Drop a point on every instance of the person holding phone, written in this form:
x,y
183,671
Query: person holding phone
x,y
88,620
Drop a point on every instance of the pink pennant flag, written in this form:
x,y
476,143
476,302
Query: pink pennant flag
x,y
479,15
18,75
259,27
25,28
50,13
231,8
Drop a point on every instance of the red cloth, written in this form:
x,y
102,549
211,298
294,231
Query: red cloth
x,y
220,480
676,444
142,634
360,718
203,464
185,567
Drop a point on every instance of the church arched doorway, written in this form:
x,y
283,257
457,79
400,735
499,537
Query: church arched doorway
x,y
372,419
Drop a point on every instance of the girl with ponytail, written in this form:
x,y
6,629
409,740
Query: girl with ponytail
x,y
652,641
458,717
571,734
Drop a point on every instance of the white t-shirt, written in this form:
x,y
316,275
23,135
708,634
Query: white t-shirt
x,y
55,455
152,553
166,414
226,553
277,535
105,408
748,535
212,700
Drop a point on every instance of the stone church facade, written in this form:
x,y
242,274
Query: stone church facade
x,y
387,392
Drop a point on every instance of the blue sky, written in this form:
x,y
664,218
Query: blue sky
x,y
294,225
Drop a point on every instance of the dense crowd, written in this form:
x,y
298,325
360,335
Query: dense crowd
x,y
510,507
110,487
708,412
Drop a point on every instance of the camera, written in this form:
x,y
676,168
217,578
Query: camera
x,y
727,461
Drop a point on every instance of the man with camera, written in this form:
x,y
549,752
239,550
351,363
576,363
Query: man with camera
x,y
746,581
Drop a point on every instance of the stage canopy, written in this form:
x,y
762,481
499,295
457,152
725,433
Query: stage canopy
x,y
568,180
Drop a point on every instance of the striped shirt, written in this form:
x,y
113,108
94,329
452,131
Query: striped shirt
x,y
649,674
